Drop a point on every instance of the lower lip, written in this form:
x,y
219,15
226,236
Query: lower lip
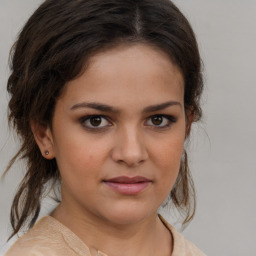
x,y
128,189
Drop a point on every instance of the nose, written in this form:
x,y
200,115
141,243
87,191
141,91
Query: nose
x,y
129,148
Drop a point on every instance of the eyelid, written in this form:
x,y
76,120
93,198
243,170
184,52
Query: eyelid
x,y
171,120
85,118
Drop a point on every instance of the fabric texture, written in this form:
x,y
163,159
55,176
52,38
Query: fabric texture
x,y
50,237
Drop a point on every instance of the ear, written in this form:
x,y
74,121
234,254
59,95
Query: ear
x,y
44,139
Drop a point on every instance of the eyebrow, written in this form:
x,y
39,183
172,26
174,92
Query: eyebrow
x,y
161,106
107,108
94,105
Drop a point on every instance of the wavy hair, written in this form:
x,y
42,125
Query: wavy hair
x,y
53,48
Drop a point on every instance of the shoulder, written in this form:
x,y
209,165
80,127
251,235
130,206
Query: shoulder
x,y
47,237
184,247
181,246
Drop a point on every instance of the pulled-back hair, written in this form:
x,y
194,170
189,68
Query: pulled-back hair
x,y
54,47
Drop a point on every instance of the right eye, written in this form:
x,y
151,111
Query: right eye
x,y
95,122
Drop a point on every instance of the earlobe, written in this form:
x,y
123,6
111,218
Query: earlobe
x,y
44,139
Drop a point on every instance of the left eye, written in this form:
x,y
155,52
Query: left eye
x,y
160,121
95,122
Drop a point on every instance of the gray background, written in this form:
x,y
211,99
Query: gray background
x,y
223,154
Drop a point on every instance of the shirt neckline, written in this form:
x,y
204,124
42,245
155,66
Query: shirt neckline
x,y
77,245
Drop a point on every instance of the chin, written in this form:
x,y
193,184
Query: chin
x,y
128,215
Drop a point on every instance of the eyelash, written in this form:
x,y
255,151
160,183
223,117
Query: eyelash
x,y
84,119
167,118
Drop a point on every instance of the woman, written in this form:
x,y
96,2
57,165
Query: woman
x,y
103,95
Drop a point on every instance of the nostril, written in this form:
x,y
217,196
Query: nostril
x,y
129,148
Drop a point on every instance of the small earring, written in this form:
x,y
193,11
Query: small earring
x,y
46,152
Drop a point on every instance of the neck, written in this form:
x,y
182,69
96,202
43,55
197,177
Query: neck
x,y
146,237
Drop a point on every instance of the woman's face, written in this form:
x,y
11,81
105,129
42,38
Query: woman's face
x,y
117,135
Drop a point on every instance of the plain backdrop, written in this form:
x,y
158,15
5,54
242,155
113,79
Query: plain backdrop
x,y
223,144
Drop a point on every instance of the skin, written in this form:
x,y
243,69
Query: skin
x,y
128,142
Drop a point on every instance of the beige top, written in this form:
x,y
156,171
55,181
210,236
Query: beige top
x,y
50,237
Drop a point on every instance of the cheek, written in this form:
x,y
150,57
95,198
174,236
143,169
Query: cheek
x,y
79,157
169,162
167,153
167,159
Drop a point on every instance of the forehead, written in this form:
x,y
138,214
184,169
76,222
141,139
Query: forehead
x,y
141,54
125,72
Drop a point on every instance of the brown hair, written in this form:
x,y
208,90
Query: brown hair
x,y
53,48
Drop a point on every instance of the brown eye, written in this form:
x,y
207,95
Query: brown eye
x,y
157,120
160,121
95,121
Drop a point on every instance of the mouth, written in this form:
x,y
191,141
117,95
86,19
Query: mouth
x,y
128,185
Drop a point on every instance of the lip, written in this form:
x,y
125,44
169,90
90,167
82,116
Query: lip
x,y
128,185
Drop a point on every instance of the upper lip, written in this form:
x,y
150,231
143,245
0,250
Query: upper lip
x,y
128,180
